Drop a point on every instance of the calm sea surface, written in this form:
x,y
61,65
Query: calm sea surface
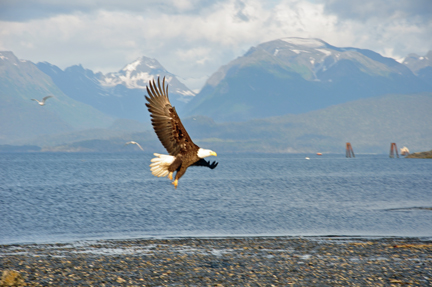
x,y
57,197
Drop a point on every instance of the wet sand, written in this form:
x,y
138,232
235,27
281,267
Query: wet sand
x,y
243,261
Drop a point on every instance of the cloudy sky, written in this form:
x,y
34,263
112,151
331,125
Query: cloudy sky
x,y
192,38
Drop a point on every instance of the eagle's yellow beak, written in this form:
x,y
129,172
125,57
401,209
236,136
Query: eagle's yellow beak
x,y
213,153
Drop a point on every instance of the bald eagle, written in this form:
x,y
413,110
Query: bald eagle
x,y
173,136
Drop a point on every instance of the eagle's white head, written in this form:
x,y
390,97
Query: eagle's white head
x,y
202,153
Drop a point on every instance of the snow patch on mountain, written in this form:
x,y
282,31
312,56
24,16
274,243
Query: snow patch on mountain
x,y
136,81
299,51
132,66
324,51
185,93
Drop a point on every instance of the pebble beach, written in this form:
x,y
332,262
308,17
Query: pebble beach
x,y
242,261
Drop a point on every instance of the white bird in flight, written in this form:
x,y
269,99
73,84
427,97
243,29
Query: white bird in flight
x,y
43,100
132,142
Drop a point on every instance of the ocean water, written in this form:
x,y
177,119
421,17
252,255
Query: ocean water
x,y
61,197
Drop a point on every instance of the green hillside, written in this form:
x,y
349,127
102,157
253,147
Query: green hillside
x,y
370,125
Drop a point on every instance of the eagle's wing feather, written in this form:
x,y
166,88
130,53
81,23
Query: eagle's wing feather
x,y
165,121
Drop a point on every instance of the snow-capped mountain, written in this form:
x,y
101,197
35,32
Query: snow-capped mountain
x,y
298,75
420,65
416,62
137,75
318,57
119,94
311,53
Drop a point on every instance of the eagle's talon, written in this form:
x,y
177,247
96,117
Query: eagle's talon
x,y
175,183
170,176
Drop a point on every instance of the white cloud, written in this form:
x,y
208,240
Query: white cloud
x,y
192,38
380,9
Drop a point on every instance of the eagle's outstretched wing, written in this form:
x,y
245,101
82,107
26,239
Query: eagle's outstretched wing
x,y
203,162
165,120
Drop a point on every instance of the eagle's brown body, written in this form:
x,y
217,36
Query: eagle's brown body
x,y
173,135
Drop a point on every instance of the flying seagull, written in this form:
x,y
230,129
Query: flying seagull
x,y
132,142
43,100
173,136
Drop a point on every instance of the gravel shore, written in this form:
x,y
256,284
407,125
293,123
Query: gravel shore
x,y
243,261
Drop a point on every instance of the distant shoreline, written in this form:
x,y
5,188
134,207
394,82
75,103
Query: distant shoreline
x,y
424,154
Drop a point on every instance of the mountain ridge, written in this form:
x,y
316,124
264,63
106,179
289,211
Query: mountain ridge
x,y
287,77
21,81
118,94
300,75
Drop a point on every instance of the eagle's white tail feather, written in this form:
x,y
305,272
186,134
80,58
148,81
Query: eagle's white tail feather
x,y
160,164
